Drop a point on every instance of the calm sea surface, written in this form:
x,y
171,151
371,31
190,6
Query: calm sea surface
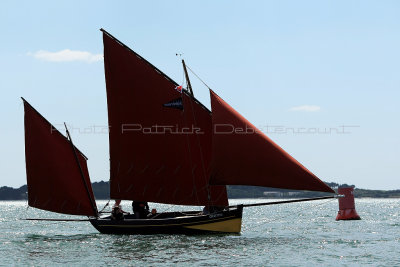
x,y
299,234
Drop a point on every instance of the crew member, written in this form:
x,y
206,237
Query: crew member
x,y
140,209
212,209
117,214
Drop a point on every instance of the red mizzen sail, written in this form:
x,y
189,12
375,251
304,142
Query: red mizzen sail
x,y
154,154
53,176
242,155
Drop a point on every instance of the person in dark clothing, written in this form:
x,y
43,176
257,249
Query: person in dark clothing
x,y
140,209
117,214
212,209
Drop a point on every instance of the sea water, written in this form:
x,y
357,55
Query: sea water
x,y
298,234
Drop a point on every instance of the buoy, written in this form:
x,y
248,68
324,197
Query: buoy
x,y
347,209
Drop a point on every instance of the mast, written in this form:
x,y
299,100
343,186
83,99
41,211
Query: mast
x,y
187,78
81,171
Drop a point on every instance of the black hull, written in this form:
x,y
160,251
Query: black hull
x,y
228,221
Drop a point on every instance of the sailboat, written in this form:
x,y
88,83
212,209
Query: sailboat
x,y
165,147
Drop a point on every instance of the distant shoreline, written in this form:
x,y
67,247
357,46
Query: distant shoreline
x,y
101,192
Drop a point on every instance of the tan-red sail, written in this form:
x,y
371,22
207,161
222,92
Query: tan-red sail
x,y
152,158
53,176
242,155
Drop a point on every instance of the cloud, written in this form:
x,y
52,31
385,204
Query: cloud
x,y
67,55
306,108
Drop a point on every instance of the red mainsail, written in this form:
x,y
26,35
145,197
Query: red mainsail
x,y
242,155
157,153
53,176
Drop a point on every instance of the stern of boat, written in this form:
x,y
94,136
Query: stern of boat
x,y
228,224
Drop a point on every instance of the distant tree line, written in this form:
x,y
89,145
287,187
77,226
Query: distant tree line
x,y
101,190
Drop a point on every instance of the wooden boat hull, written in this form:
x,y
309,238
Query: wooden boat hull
x,y
227,221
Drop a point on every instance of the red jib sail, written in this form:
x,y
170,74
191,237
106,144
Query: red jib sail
x,y
155,152
242,155
53,176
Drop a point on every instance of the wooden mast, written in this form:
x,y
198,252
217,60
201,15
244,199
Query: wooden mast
x,y
82,175
187,78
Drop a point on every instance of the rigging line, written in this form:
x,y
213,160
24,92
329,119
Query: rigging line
x,y
297,212
92,201
55,220
198,140
190,157
105,206
201,154
198,77
109,197
285,201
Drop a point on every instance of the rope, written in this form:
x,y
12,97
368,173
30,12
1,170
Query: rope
x,y
197,137
190,159
291,214
201,155
105,206
197,76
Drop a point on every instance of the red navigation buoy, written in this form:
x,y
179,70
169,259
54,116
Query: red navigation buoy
x,y
347,209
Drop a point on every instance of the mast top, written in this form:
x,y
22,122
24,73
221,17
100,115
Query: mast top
x,y
189,85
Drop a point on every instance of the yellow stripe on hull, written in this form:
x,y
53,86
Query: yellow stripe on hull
x,y
228,226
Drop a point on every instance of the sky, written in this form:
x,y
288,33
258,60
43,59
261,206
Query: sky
x,y
320,78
